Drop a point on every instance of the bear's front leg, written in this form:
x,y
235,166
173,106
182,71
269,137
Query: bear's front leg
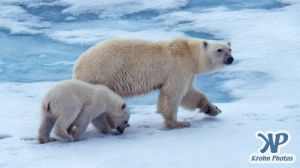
x,y
168,102
194,99
105,125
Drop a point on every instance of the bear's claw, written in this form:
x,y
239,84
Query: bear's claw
x,y
213,110
178,124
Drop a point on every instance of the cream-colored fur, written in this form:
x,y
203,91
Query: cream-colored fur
x,y
72,104
133,67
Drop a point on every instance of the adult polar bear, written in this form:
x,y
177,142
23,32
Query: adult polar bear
x,y
133,67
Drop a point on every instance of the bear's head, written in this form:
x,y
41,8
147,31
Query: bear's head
x,y
216,54
119,115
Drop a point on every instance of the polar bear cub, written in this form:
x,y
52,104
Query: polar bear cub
x,y
72,104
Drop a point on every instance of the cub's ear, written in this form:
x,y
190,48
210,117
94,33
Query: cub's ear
x,y
228,43
123,106
205,44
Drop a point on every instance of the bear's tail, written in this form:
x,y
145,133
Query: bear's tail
x,y
46,107
47,123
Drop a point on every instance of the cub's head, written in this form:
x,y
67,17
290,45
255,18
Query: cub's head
x,y
217,54
119,115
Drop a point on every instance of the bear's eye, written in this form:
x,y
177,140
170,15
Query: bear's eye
x,y
123,106
220,50
230,49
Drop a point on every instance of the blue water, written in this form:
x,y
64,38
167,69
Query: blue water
x,y
26,57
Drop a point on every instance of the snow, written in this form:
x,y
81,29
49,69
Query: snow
x,y
263,81
17,20
228,139
117,8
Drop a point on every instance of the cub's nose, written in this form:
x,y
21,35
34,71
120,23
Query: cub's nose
x,y
229,60
120,130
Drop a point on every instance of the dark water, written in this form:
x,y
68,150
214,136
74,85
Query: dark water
x,y
36,57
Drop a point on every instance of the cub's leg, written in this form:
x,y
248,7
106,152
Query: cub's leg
x,y
104,124
79,125
63,122
169,99
101,123
45,129
194,99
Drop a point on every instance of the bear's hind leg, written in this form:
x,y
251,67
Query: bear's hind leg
x,y
168,106
79,125
45,129
62,124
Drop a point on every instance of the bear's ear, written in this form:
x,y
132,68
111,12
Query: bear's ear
x,y
228,43
205,44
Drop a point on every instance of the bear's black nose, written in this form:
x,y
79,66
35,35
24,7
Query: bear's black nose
x,y
229,60
120,130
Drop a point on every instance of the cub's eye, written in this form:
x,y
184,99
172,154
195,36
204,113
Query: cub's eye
x,y
220,50
230,49
126,123
123,106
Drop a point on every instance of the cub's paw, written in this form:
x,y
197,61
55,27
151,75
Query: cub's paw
x,y
52,139
212,110
42,140
178,124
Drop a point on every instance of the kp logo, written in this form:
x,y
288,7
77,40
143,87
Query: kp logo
x,y
271,143
269,152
